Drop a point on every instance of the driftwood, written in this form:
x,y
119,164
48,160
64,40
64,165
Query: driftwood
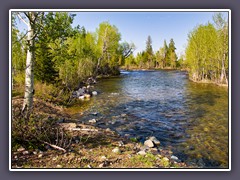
x,y
55,146
83,129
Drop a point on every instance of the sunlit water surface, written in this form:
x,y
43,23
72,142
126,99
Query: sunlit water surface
x,y
190,119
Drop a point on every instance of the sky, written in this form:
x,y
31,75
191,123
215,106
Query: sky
x,y
136,26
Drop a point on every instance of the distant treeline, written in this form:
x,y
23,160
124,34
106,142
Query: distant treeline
x,y
206,54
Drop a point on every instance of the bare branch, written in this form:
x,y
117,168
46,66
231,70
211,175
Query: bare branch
x,y
20,17
55,147
21,38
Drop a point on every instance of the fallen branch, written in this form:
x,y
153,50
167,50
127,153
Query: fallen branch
x,y
55,146
84,129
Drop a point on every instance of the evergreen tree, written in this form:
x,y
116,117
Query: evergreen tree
x,y
171,54
149,51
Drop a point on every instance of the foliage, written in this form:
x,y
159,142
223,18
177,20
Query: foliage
x,y
56,27
165,57
108,38
207,52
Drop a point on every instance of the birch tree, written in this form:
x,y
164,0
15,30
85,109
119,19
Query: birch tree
x,y
222,28
31,20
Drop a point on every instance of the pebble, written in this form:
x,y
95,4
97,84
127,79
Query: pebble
x,y
116,150
94,93
40,155
102,165
149,143
123,115
89,166
81,97
108,129
92,121
59,166
174,158
120,143
142,153
21,149
103,158
95,113
25,152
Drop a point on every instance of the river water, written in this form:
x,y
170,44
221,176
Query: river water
x,y
190,119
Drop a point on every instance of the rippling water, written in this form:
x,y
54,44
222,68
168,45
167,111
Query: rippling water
x,y
191,119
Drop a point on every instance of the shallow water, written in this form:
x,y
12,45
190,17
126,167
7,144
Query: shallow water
x,y
191,119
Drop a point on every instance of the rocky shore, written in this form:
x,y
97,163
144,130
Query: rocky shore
x,y
89,146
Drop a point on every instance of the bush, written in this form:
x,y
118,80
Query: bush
x,y
50,93
37,131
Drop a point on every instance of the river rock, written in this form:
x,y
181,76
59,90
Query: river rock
x,y
94,113
142,153
149,143
155,140
175,158
102,165
120,143
21,149
103,158
40,155
25,152
94,93
123,115
81,97
92,121
87,95
116,150
108,130
59,166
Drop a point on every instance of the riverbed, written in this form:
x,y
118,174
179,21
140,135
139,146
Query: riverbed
x,y
190,119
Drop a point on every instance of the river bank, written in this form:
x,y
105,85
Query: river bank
x,y
88,146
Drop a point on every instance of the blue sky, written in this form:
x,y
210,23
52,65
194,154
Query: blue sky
x,y
136,26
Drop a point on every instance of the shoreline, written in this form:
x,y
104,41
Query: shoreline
x,y
91,147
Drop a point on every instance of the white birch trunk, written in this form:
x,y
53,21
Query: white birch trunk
x,y
28,95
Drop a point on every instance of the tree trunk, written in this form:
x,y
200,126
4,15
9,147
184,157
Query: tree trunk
x,y
28,95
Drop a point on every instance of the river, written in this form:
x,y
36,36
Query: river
x,y
190,119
